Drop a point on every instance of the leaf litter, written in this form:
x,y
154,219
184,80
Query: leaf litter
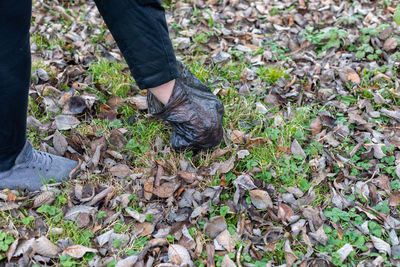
x,y
329,197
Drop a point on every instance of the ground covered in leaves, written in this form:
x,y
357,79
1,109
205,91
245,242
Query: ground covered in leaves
x,y
307,174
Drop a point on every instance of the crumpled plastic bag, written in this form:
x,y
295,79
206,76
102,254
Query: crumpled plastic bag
x,y
193,111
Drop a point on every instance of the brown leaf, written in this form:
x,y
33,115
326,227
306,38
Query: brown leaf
x,y
284,212
179,255
139,101
148,188
215,226
219,152
144,229
382,181
237,137
260,199
390,44
165,190
226,241
47,197
45,247
188,177
78,251
11,249
120,170
117,139
394,199
315,126
349,75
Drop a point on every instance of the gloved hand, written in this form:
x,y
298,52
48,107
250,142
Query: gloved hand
x,y
193,111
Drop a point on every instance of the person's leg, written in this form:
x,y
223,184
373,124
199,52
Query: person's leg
x,y
141,32
20,165
15,68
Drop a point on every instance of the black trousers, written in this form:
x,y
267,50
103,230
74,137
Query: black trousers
x,y
139,28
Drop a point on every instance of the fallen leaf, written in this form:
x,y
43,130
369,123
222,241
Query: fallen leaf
x,y
225,240
390,44
45,198
45,247
315,126
66,122
139,101
237,137
284,212
227,262
120,171
215,226
296,149
77,251
345,251
60,143
260,199
165,190
144,229
179,255
381,245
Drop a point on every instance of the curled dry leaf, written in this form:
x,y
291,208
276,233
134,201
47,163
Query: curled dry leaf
x,y
135,214
11,249
78,251
345,251
45,198
139,101
73,213
148,188
394,199
381,245
260,199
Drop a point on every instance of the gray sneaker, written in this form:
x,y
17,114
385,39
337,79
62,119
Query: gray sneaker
x,y
34,168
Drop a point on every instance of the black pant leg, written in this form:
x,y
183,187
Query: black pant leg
x,y
15,68
140,30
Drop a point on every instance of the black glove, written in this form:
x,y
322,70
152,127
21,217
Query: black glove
x,y
193,111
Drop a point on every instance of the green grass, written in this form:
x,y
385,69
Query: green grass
x,y
114,76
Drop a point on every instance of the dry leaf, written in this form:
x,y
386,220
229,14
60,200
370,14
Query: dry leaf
x,y
237,137
381,245
45,247
165,190
78,251
225,240
315,126
179,255
120,171
260,199
144,229
215,226
45,198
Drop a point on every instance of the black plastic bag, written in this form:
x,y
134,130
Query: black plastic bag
x,y
193,111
